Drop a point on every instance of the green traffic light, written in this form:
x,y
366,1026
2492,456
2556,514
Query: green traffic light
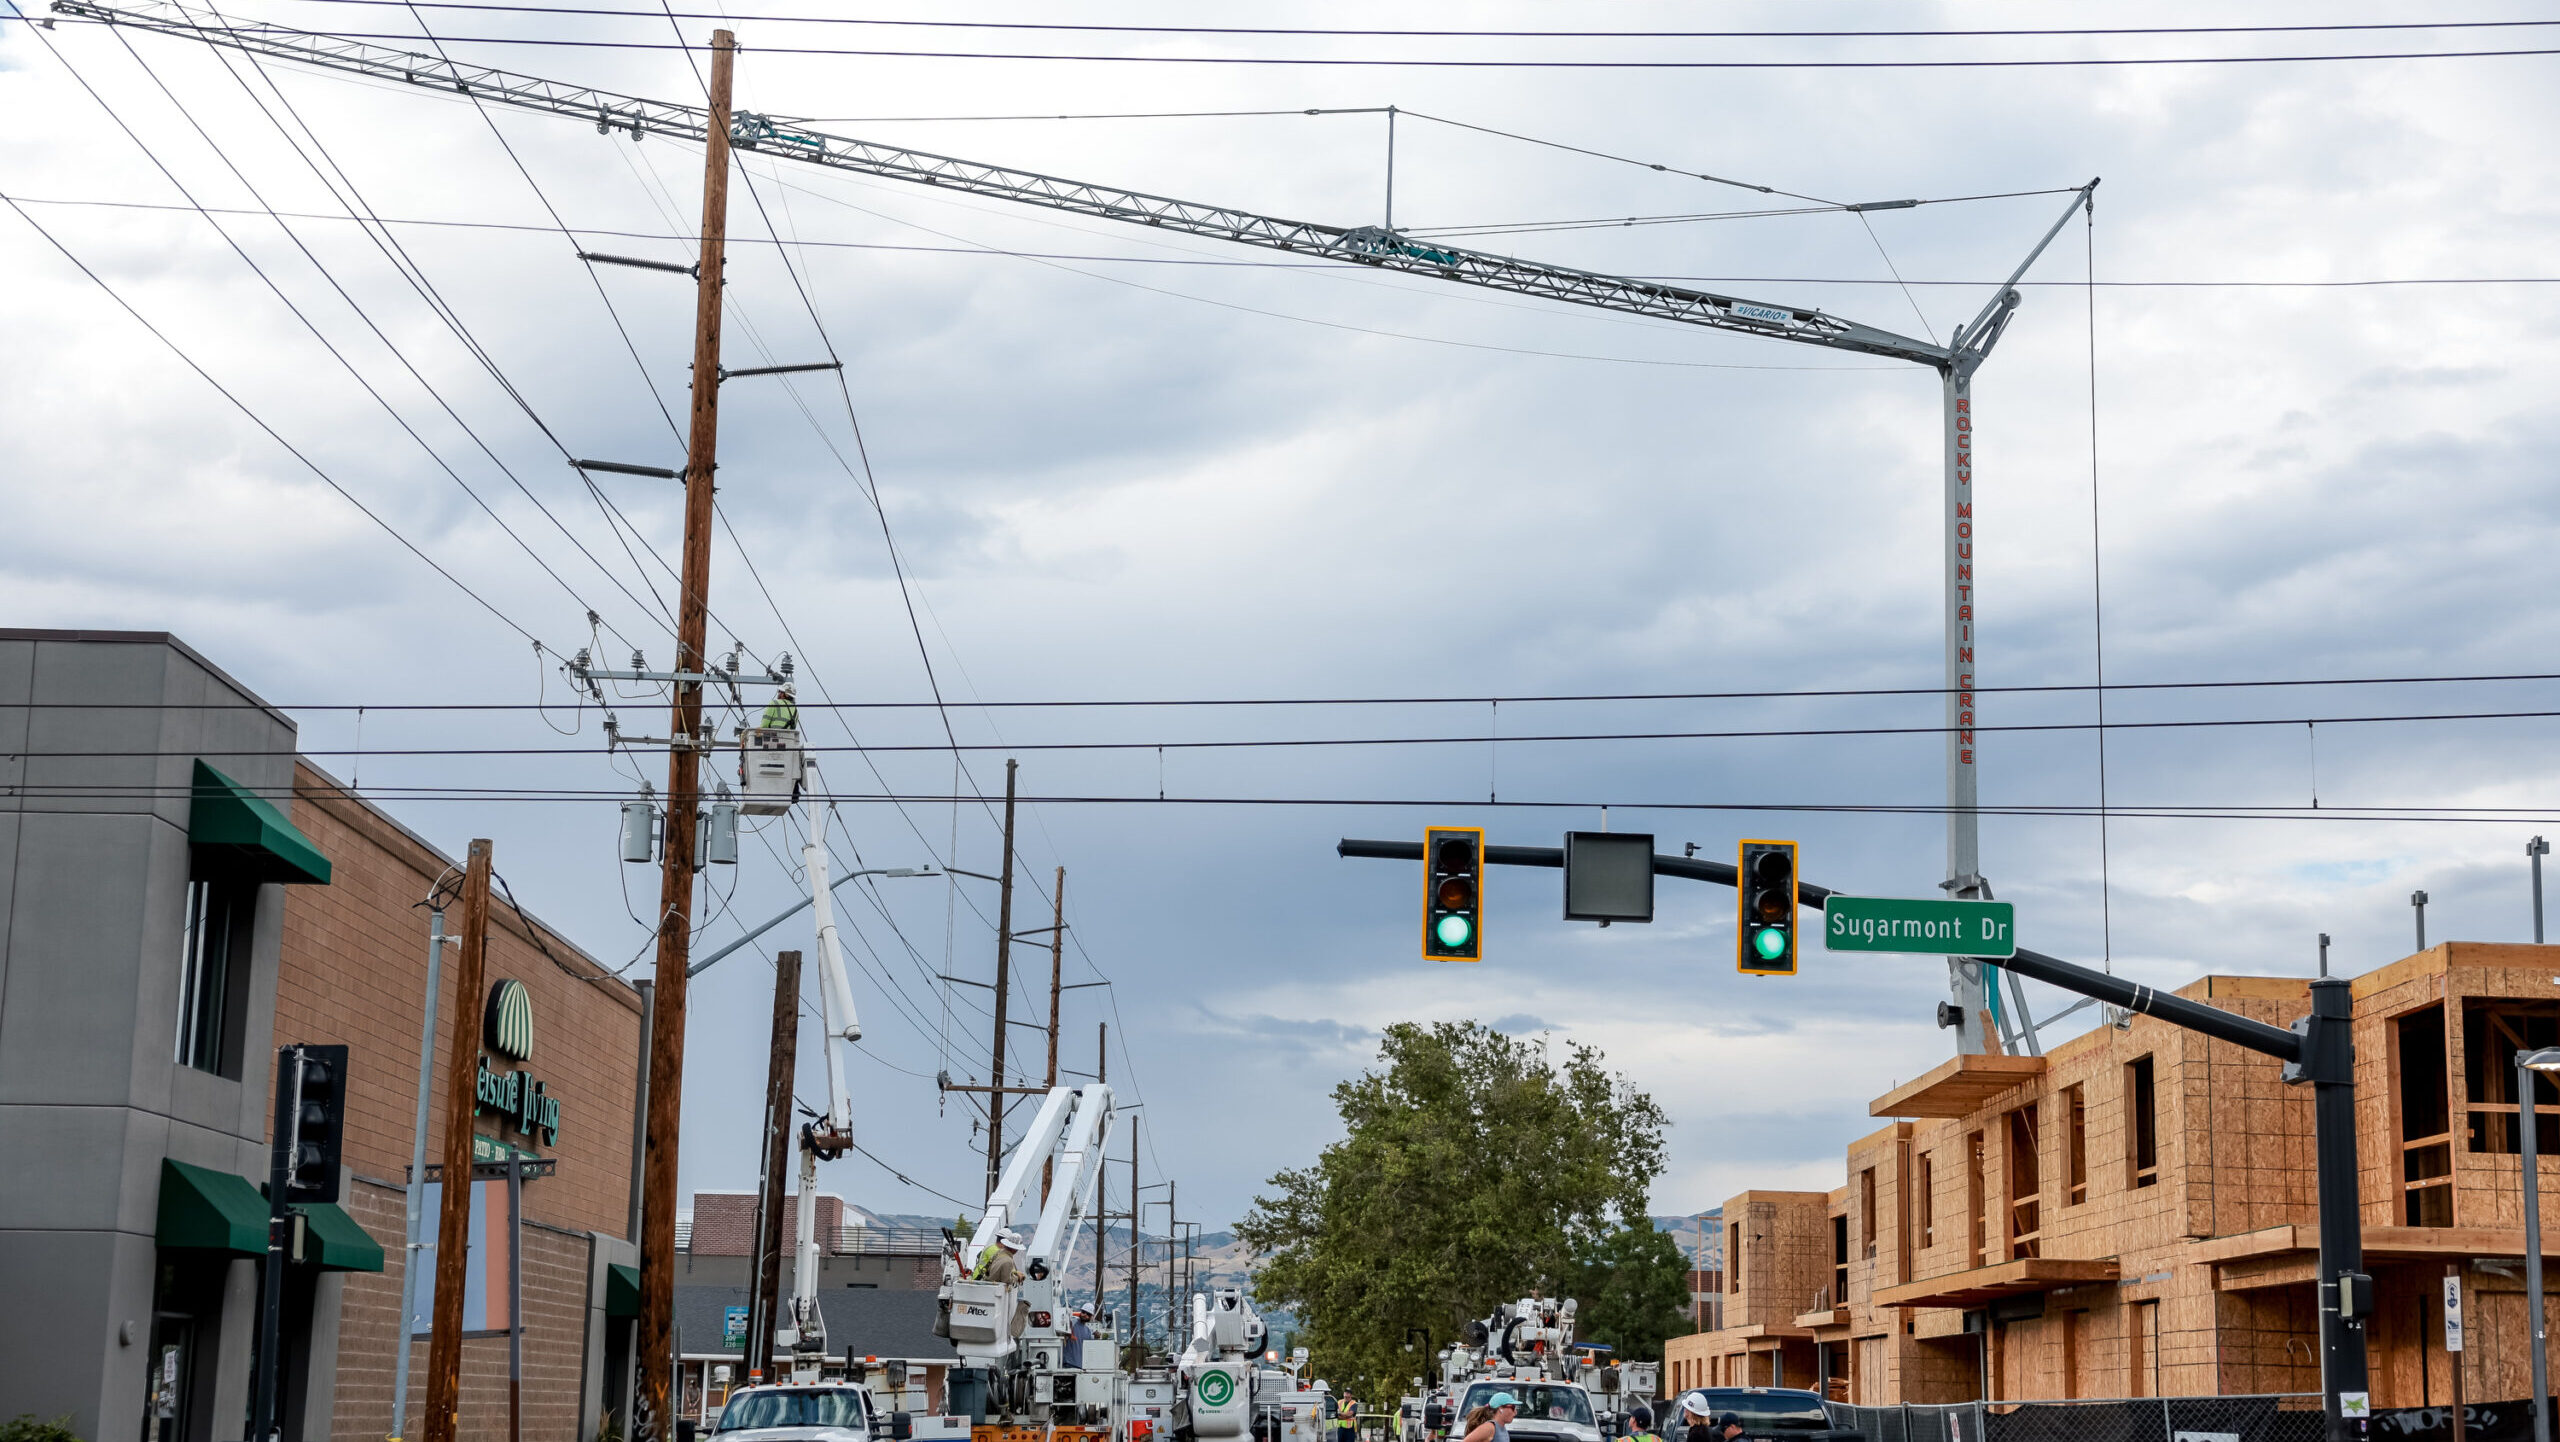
x,y
1770,942
1453,931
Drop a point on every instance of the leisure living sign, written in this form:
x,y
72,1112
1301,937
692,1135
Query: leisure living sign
x,y
522,1103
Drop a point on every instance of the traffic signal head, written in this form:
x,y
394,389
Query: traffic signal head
x,y
1764,889
318,1109
1453,893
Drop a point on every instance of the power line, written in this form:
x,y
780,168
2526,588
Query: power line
x,y
1442,63
260,422
1463,34
298,314
1332,742
2326,811
1579,697
1325,267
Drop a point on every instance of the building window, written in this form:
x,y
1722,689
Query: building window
x,y
2426,1137
212,974
1839,1261
2142,1126
2142,1349
1973,1200
2026,1189
1867,1211
2075,1111
1928,1206
1733,1258
2492,1033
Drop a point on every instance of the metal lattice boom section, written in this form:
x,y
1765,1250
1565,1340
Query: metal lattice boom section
x,y
1363,245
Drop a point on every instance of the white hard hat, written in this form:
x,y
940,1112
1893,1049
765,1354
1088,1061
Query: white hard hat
x,y
1009,1238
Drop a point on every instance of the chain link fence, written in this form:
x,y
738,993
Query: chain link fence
x,y
2283,1417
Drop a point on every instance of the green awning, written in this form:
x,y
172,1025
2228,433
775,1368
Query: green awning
x,y
211,1211
336,1242
621,1290
246,831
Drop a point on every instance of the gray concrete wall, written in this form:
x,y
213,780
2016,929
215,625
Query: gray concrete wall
x,y
93,878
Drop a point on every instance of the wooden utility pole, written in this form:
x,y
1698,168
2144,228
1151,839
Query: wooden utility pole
x,y
653,1412
1004,989
1137,1328
763,1307
1057,958
453,1216
1101,1173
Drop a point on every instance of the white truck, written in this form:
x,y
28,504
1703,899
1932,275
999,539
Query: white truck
x,y
1566,1393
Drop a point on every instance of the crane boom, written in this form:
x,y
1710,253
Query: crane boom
x,y
1368,245
1980,1028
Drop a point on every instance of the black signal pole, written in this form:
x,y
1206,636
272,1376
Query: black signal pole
x,y
262,1409
2320,1050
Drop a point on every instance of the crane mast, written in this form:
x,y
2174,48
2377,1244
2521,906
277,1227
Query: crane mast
x,y
1976,1012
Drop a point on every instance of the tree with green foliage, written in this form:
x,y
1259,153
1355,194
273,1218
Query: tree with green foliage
x,y
1473,1170
1631,1291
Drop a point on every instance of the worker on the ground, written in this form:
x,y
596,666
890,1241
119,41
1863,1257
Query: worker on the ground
x,y
1640,1426
996,1262
1492,1421
1347,1422
782,713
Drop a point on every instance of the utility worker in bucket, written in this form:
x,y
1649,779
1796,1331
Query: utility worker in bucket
x,y
782,713
996,1261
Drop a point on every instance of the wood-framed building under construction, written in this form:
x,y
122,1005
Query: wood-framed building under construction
x,y
2132,1215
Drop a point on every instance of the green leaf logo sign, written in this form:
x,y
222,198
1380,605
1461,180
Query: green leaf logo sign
x,y
508,1024
1215,1389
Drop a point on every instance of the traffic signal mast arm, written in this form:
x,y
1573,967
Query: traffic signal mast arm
x,y
1363,245
2257,1036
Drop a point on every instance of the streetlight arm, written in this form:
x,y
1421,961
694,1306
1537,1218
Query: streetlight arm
x,y
797,907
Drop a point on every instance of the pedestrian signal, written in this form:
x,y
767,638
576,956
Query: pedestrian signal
x,y
1764,890
1453,893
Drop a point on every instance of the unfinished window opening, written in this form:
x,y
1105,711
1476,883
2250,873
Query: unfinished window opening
x,y
1973,1199
2075,1110
2142,1126
2026,1191
1867,1213
2142,1349
2493,1031
1928,1205
1839,1264
1733,1258
2426,1138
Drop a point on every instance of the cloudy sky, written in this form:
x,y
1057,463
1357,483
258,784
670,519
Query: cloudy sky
x,y
1121,465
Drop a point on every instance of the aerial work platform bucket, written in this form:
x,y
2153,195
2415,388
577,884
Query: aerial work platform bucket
x,y
771,767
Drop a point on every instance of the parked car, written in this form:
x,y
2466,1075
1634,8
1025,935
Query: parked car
x,y
1776,1414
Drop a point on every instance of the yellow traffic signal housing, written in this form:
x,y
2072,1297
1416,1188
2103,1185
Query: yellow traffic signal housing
x,y
1765,935
1453,893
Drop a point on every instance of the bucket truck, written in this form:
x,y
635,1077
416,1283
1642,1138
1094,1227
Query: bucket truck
x,y
1013,1321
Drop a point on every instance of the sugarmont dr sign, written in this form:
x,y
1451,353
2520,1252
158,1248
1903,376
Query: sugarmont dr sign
x,y
1938,928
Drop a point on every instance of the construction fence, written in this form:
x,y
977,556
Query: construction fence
x,y
2283,1417
2277,1417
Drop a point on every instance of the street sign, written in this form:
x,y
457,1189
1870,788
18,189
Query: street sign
x,y
733,1324
2453,1314
1939,928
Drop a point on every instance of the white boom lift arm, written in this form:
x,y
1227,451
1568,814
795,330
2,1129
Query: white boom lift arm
x,y
1975,1011
1073,1128
829,1136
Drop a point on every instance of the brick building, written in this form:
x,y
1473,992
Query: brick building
x,y
180,893
2132,1214
714,1242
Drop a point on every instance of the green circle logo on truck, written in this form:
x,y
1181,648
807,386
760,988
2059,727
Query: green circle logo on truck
x,y
1215,1389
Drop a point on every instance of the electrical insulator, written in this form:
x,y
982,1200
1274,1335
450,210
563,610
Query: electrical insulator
x,y
639,830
